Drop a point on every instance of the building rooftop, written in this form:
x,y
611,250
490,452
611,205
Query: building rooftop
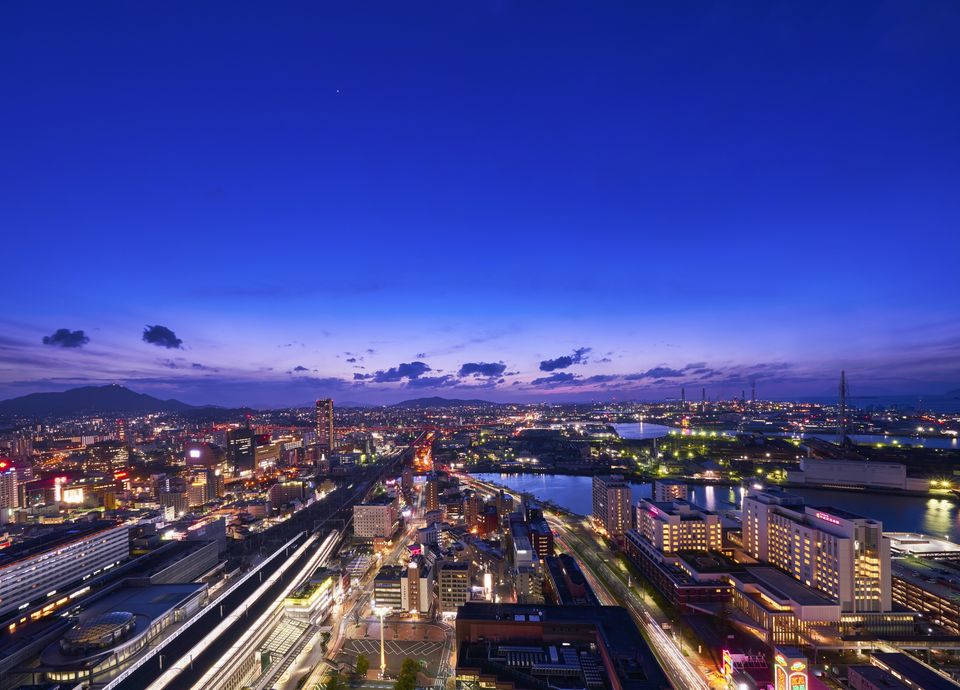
x,y
936,577
913,671
878,677
784,586
53,538
922,545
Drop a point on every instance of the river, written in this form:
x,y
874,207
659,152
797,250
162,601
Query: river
x,y
898,513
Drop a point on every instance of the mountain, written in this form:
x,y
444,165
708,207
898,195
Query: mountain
x,y
112,399
418,403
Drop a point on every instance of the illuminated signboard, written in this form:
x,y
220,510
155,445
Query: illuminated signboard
x,y
654,511
789,673
727,664
195,453
828,518
780,678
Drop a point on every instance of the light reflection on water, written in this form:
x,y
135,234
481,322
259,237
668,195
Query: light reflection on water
x,y
898,513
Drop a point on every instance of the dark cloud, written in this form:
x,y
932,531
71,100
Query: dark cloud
x,y
655,373
404,370
161,336
484,369
300,368
201,367
579,356
352,360
421,355
64,337
432,381
557,379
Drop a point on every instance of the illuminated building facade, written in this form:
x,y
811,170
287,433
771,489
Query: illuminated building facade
x,y
611,504
678,526
326,439
840,554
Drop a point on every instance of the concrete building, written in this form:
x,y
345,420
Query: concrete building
x,y
519,646
843,555
666,490
611,504
378,518
9,495
677,525
930,587
564,583
856,473
416,588
28,571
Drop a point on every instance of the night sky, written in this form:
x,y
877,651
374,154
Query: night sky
x,y
263,203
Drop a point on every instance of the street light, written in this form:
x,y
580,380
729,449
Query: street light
x,y
382,612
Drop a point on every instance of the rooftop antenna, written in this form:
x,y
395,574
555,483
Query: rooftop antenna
x,y
842,412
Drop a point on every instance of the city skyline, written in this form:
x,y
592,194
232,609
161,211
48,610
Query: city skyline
x,y
495,201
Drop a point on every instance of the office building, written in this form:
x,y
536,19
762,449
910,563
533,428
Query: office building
x,y
565,584
326,438
242,450
432,493
611,504
388,588
32,569
453,585
377,518
840,554
672,526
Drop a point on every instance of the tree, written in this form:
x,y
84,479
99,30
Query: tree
x,y
407,680
333,681
363,664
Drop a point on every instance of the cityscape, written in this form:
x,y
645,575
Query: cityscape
x,y
480,345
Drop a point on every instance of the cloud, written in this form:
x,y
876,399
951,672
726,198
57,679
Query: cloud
x,y
482,369
300,368
352,360
201,367
557,379
421,355
161,336
579,356
432,381
404,370
655,373
64,337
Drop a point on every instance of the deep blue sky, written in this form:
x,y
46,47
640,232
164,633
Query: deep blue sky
x,y
700,193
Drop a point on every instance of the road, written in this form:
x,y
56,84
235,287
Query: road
x,y
578,540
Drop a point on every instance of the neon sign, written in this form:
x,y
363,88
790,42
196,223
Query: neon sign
x,y
798,681
828,518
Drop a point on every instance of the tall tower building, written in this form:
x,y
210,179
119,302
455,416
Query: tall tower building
x,y
611,504
326,440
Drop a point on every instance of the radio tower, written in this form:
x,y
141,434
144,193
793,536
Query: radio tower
x,y
842,412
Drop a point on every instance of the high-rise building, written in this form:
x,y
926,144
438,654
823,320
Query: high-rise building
x,y
611,504
416,587
9,496
377,518
841,554
432,489
326,439
388,587
242,449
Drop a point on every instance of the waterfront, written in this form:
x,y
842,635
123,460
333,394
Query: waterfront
x,y
899,513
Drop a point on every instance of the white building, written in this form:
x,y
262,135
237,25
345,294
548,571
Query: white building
x,y
39,567
840,554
